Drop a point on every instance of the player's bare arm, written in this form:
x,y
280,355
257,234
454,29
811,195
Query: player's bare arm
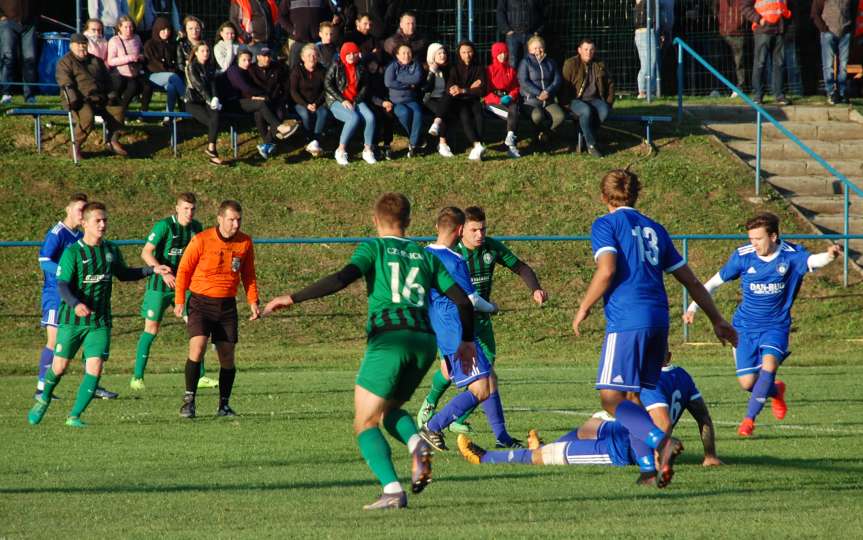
x,y
723,330
149,258
698,409
606,266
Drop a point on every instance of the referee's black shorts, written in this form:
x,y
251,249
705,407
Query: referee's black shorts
x,y
215,318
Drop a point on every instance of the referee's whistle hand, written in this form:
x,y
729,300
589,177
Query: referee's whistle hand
x,y
178,310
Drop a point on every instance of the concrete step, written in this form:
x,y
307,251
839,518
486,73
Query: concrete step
x,y
795,113
830,151
810,185
807,167
829,131
829,205
832,223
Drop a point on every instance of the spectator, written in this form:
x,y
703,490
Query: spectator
x,y
307,91
589,90
540,81
125,56
503,93
302,19
407,35
644,38
255,21
436,95
381,106
161,54
835,20
225,50
467,86
371,48
18,20
154,9
404,77
733,32
109,12
273,77
192,37
84,89
346,86
202,100
769,22
382,14
858,24
253,99
97,45
327,50
517,21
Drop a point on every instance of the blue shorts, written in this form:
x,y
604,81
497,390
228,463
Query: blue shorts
x,y
611,447
50,316
481,368
632,360
751,346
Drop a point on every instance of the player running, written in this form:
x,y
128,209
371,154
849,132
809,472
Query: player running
x,y
632,251
770,272
84,280
482,254
480,380
165,245
399,274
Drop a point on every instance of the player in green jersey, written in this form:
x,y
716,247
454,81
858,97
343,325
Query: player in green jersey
x,y
84,279
401,347
165,245
482,254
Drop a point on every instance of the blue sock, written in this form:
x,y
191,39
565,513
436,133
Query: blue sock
x,y
508,456
773,390
760,392
636,420
643,454
453,410
46,358
569,437
494,412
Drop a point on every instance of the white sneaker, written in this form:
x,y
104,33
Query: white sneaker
x,y
7,99
513,152
342,157
314,148
733,95
369,157
444,150
99,120
433,130
510,139
476,152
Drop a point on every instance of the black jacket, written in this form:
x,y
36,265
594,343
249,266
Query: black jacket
x,y
337,79
274,80
308,87
161,55
263,29
521,16
383,13
301,18
200,83
83,80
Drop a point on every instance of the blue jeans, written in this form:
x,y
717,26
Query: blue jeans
x,y
590,114
517,45
173,85
313,122
641,43
14,39
361,113
410,115
831,47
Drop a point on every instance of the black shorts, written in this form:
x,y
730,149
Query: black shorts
x,y
215,318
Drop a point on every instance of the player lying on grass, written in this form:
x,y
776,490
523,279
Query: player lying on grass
x,y
477,377
84,279
599,442
771,272
399,274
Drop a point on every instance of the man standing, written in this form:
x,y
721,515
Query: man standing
x,y
770,20
212,266
407,35
302,19
835,20
518,20
733,32
84,280
382,14
18,20
256,21
588,91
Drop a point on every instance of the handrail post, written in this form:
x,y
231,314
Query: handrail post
x,y
845,230
470,20
685,292
758,158
679,83
458,21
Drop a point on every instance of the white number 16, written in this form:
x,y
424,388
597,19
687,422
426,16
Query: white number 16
x,y
410,287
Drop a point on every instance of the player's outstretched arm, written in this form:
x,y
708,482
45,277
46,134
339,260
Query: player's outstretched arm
x,y
528,276
325,286
606,266
710,286
698,409
724,331
820,260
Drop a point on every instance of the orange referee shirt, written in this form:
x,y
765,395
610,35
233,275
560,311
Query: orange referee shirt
x,y
212,266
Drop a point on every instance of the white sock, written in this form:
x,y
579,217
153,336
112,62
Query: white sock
x,y
437,121
392,488
40,385
413,442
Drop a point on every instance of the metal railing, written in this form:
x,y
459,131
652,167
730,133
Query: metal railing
x,y
847,185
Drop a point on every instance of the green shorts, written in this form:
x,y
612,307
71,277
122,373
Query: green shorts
x,y
396,362
155,303
96,341
485,337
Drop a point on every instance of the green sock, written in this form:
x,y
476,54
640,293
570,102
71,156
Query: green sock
x,y
376,452
400,425
143,353
463,418
51,382
202,368
85,394
438,387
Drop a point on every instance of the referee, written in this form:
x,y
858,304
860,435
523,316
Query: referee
x,y
211,268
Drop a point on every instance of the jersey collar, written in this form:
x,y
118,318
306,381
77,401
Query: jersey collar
x,y
622,208
396,238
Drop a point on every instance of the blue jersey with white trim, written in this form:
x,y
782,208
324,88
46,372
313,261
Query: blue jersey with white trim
x,y
768,287
442,311
636,298
675,390
56,241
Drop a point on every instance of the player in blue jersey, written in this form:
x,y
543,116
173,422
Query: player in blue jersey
x,y
599,442
632,253
477,375
770,272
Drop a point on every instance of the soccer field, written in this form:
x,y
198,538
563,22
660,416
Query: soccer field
x,y
289,466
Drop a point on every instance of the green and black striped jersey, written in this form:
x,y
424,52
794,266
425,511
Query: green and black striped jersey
x,y
399,275
170,239
481,263
89,271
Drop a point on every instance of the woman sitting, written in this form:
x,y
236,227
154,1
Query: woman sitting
x,y
467,87
502,97
540,81
346,87
251,98
161,54
202,101
403,78
436,95
307,91
125,55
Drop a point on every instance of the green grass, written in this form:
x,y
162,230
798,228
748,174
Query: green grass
x,y
289,465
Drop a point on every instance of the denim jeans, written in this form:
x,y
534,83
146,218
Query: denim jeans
x,y
831,47
361,113
641,43
737,44
410,115
765,44
313,122
173,85
589,114
17,42
517,45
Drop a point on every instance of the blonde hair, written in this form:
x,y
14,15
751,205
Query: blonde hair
x,y
535,39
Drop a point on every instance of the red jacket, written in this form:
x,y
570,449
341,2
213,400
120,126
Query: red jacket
x,y
502,77
858,27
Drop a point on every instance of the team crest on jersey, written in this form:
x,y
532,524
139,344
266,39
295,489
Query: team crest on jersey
x,y
488,258
782,268
235,264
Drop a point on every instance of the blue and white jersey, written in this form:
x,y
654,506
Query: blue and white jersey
x,y
56,241
636,298
768,285
442,311
675,390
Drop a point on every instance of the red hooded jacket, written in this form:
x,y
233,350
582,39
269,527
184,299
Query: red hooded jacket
x,y
502,78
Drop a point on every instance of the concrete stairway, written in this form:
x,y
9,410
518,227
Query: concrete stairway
x,y
832,132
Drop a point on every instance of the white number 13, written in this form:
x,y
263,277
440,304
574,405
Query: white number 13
x,y
403,293
648,249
